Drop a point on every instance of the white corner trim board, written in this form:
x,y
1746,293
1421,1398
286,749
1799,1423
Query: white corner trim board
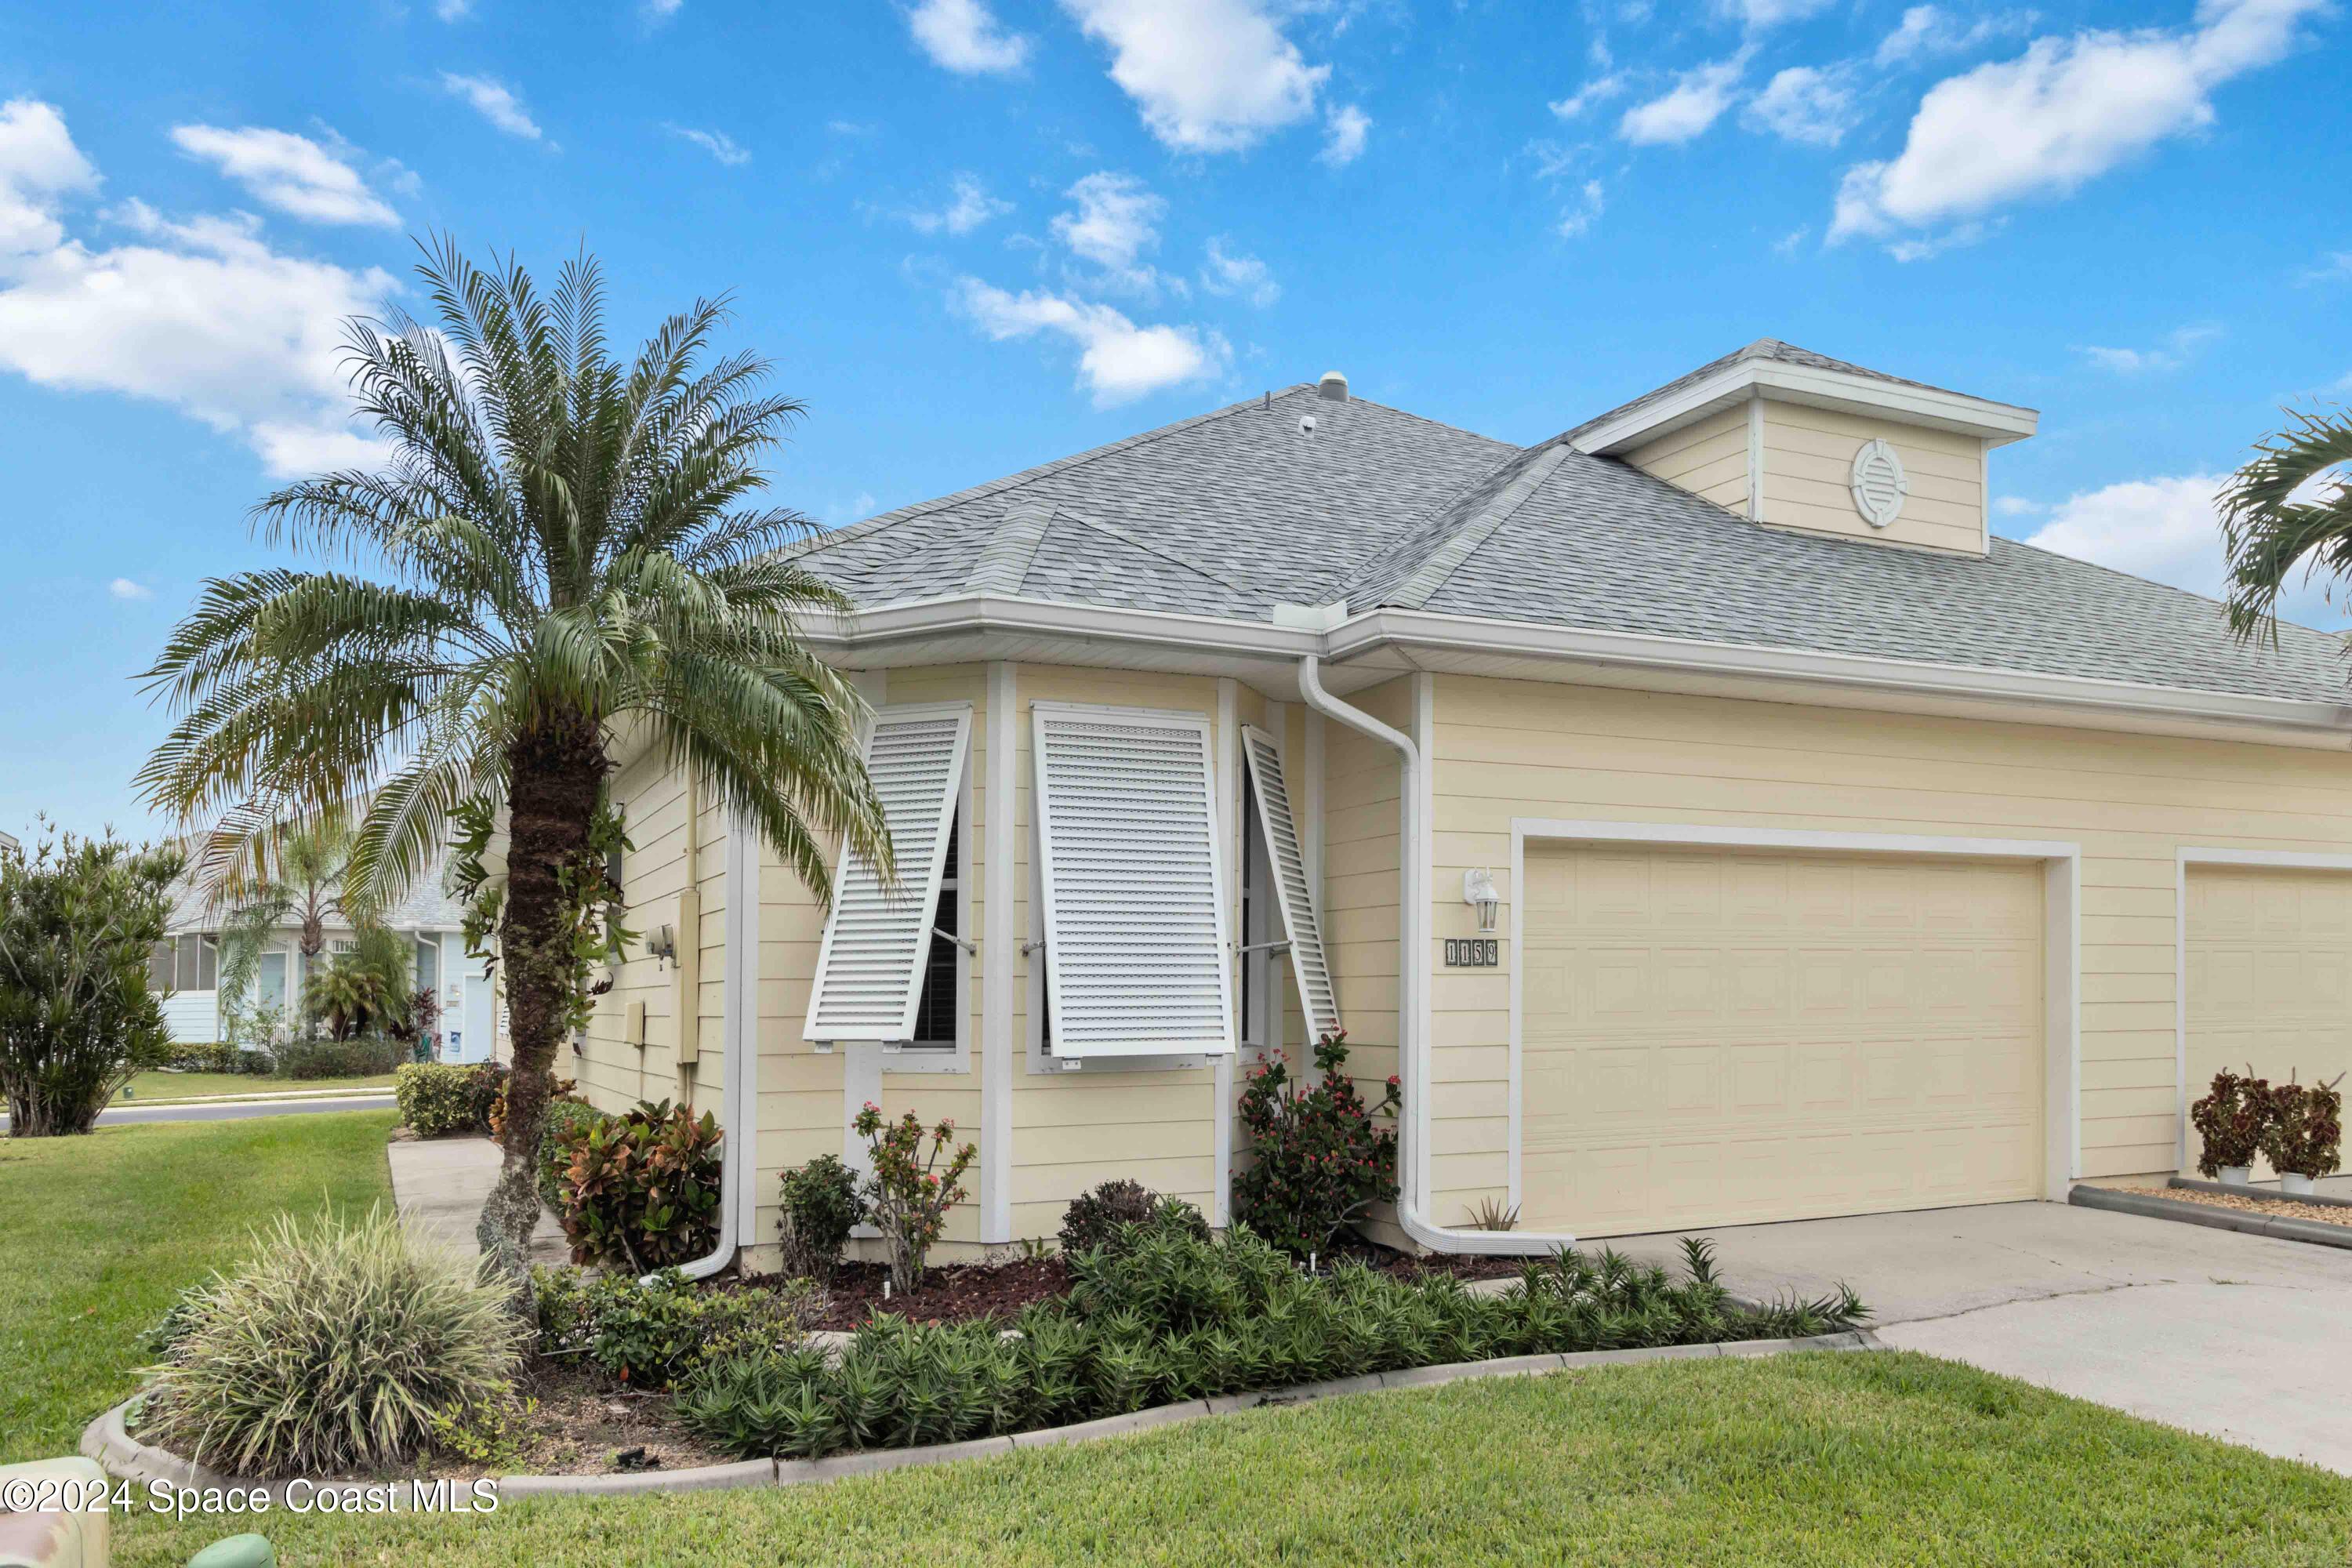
x,y
2204,855
2062,863
998,948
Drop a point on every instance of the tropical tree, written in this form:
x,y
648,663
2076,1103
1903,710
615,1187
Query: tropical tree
x,y
2290,507
302,887
559,548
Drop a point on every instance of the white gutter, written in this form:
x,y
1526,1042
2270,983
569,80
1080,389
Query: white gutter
x,y
1412,946
738,1152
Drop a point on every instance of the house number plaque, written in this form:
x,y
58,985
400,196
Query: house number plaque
x,y
1473,951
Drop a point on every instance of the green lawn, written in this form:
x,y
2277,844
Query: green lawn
x,y
150,1087
1821,1459
97,1233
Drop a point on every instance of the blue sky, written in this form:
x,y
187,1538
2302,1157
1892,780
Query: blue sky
x,y
978,234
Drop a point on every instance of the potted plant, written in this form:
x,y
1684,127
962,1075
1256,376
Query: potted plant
x,y
2304,1133
2231,1120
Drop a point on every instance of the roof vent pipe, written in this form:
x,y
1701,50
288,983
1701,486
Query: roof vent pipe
x,y
1333,387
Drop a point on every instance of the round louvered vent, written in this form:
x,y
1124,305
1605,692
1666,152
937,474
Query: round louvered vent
x,y
1879,486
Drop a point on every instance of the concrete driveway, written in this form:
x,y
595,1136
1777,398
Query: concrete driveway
x,y
2241,1337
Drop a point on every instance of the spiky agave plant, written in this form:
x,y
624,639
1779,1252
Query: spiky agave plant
x,y
560,545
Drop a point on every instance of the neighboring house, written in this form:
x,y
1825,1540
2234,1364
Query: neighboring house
x,y
1845,858
187,966
8,844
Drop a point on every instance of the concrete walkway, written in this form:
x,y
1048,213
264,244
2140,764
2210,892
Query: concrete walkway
x,y
2240,1337
443,1180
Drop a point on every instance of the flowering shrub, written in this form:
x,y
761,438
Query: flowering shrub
x,y
2230,1120
2304,1130
1320,1157
909,1196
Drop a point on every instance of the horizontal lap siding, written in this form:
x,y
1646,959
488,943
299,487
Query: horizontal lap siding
x,y
1360,801
1807,463
1507,750
612,1073
1709,457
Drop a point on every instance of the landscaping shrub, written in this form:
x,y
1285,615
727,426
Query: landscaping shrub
x,y
362,1057
210,1055
331,1349
909,1196
564,1117
2303,1129
438,1100
1317,1157
652,1332
1176,1315
641,1190
557,1088
821,1207
79,919
2230,1121
1104,1217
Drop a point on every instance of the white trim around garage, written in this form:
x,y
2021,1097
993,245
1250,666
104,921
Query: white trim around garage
x,y
2061,862
2203,855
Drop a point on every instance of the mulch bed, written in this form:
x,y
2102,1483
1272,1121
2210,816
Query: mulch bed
x,y
962,1293
582,1425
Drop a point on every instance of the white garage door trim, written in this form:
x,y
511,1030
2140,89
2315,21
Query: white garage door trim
x,y
2199,855
2062,947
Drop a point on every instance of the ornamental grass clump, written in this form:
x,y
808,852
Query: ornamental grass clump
x,y
331,1350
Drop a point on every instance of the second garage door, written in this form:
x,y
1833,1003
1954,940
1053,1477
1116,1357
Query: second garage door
x,y
1717,1037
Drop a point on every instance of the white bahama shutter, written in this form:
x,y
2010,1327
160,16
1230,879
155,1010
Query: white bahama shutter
x,y
1135,923
869,973
1291,890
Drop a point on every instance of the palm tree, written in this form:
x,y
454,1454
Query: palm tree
x,y
301,885
562,545
2291,506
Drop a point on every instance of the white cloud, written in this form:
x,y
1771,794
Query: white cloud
x,y
494,101
1117,361
655,12
2175,350
1697,101
2065,112
970,208
1578,218
39,164
2332,267
1812,104
1763,13
292,174
1116,221
2018,506
453,10
1600,89
1212,76
1344,133
1928,30
201,315
962,36
1794,241
1226,272
124,588
717,143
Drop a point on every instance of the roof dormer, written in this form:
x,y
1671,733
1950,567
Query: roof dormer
x,y
1797,440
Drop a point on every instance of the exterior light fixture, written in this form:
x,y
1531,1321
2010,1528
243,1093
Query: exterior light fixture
x,y
1478,892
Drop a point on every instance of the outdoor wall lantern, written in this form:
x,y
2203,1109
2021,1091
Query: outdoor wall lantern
x,y
1478,892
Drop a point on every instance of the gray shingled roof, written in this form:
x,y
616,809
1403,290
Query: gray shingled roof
x,y
1762,348
1234,511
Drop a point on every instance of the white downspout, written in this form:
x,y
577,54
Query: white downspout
x,y
739,1038
1412,944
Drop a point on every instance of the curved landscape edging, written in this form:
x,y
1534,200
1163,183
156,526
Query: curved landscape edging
x,y
109,1441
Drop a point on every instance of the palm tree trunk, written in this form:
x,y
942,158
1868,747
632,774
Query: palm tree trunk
x,y
556,774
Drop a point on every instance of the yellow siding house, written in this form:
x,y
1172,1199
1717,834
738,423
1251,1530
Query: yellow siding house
x,y
1701,812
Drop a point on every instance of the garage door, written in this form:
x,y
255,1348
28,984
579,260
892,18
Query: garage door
x,y
1728,1036
2269,952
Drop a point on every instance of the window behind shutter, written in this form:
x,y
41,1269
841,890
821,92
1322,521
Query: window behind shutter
x,y
1135,920
1292,890
870,970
